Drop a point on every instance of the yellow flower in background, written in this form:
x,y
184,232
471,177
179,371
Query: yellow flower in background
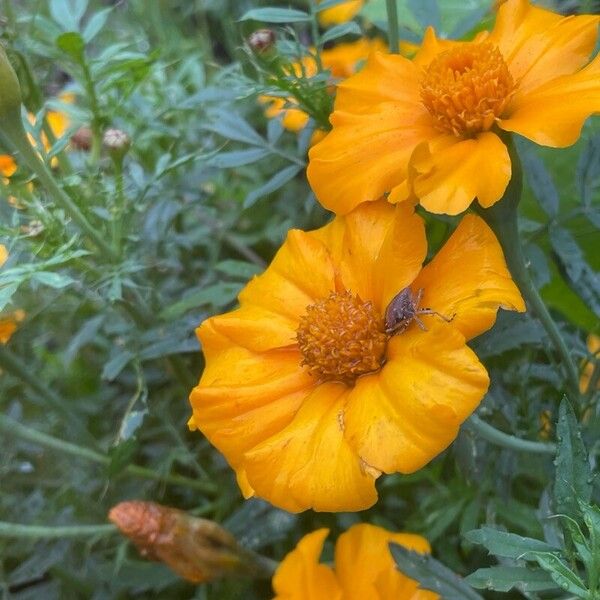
x,y
363,568
593,346
428,128
8,167
342,60
316,385
345,11
8,323
58,122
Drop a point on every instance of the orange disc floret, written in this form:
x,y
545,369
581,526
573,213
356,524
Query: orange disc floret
x,y
341,337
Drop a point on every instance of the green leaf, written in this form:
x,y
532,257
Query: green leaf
x,y
573,477
238,268
277,181
508,545
427,13
432,574
561,573
539,180
276,15
233,127
68,13
53,280
504,579
71,43
95,24
588,171
238,158
328,4
351,28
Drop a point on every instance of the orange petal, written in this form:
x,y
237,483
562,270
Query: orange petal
x,y
300,273
553,114
468,279
341,13
432,45
539,45
8,166
378,249
451,172
244,398
365,568
343,60
300,576
309,464
3,254
366,155
404,416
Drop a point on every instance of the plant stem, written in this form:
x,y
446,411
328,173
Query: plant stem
x,y
15,530
499,438
502,217
12,129
314,25
393,34
12,427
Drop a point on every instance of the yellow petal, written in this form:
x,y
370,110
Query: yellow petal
x,y
451,172
243,397
404,416
378,249
300,576
309,464
539,45
3,254
343,60
341,13
300,274
365,568
553,113
468,279
432,45
366,155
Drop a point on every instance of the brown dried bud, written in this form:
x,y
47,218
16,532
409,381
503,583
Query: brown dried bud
x,y
262,40
196,549
82,139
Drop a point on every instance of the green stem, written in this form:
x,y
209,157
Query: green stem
x,y
12,427
314,25
12,129
15,530
502,217
119,206
493,435
393,33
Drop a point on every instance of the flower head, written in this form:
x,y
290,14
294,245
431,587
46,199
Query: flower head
x,y
8,322
347,358
363,568
430,128
340,13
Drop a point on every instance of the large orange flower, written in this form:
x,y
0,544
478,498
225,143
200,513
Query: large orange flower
x,y
429,127
340,13
364,568
342,61
307,394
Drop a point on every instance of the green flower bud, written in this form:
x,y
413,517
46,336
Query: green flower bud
x,y
10,90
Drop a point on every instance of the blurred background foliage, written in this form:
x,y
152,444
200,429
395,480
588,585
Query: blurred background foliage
x,y
105,355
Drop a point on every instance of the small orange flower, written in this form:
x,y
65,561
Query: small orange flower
x,y
58,121
341,13
342,60
363,569
8,323
593,345
315,386
8,166
428,128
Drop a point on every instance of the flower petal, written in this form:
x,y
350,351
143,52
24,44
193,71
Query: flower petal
x,y
300,273
340,13
553,114
244,398
404,416
468,279
300,576
432,45
539,45
365,568
378,249
451,172
366,155
3,254
309,464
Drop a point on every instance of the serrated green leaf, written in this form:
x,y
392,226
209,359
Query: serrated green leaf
x,y
432,574
566,578
504,579
508,545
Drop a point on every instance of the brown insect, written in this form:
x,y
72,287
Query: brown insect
x,y
404,309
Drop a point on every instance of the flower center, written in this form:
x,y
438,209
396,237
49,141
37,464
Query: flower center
x,y
341,338
465,89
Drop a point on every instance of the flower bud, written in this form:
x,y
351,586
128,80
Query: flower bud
x,y
82,139
10,90
196,549
261,40
117,142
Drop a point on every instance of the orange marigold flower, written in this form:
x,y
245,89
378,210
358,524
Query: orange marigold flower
x,y
340,13
316,384
8,166
342,60
363,569
428,128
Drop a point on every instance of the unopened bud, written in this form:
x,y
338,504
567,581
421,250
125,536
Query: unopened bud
x,y
10,90
196,549
82,139
262,40
117,142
